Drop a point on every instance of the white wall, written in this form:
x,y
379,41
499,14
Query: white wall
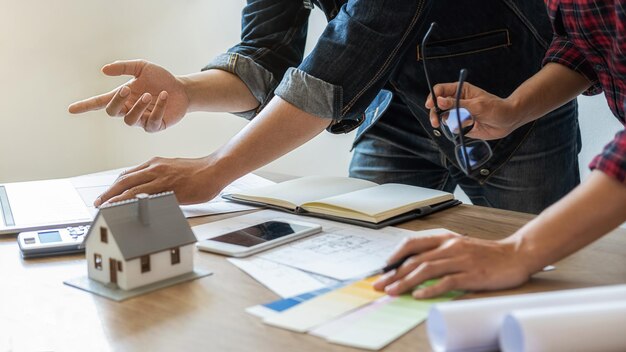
x,y
597,125
51,53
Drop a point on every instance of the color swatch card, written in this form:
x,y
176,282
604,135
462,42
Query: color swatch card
x,y
319,310
281,305
380,323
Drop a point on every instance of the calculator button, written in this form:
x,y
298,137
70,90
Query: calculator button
x,y
29,240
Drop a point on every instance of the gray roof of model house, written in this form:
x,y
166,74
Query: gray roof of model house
x,y
145,225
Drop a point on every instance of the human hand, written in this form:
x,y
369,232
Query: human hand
x,y
495,117
153,100
459,262
190,179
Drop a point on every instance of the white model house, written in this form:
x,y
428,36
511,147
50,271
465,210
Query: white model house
x,y
138,242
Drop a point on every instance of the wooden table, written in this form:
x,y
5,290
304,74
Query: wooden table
x,y
39,312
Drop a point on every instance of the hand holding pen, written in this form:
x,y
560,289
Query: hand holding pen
x,y
458,262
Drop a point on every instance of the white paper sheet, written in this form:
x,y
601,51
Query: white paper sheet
x,y
283,280
581,327
341,251
474,325
344,252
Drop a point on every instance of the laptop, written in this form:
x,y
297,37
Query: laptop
x,y
36,205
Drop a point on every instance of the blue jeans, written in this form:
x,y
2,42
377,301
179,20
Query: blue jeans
x,y
501,44
543,169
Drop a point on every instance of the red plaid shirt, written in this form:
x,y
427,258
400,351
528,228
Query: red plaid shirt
x,y
590,38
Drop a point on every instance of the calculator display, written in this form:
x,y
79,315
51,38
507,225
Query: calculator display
x,y
49,236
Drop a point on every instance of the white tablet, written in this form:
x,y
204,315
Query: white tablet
x,y
259,237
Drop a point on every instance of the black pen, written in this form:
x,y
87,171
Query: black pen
x,y
392,266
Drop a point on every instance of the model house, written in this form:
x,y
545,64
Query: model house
x,y
140,241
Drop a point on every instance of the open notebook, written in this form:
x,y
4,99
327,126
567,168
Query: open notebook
x,y
348,200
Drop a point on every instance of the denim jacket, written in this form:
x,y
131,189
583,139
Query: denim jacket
x,y
371,49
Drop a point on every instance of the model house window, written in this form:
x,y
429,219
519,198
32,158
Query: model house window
x,y
104,235
175,255
145,263
97,260
119,266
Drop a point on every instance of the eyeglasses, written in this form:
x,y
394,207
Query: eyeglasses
x,y
455,123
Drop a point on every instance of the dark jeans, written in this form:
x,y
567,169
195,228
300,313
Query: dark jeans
x,y
543,169
501,43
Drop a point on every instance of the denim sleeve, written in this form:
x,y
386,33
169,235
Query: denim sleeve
x,y
352,60
273,36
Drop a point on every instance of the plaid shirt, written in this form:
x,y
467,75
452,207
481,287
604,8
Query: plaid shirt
x,y
590,38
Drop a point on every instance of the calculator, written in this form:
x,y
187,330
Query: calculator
x,y
44,243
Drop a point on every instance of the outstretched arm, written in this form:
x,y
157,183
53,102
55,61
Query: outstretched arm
x,y
278,129
154,99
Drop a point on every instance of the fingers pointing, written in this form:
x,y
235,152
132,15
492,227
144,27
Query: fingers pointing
x,y
93,103
127,67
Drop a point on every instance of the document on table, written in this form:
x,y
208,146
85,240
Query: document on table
x,y
343,252
90,186
283,280
340,252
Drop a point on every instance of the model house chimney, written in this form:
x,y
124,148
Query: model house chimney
x,y
142,207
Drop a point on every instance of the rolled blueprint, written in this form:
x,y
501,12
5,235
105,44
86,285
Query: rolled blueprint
x,y
474,325
581,327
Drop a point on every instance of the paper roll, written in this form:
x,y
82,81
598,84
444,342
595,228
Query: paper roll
x,y
583,327
474,325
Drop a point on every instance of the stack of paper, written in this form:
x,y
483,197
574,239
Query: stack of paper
x,y
554,321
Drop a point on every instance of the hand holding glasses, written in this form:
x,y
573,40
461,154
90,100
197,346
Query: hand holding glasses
x,y
455,123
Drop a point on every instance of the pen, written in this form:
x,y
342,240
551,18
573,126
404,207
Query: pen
x,y
394,265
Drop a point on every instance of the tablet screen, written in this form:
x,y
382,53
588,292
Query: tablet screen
x,y
260,233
